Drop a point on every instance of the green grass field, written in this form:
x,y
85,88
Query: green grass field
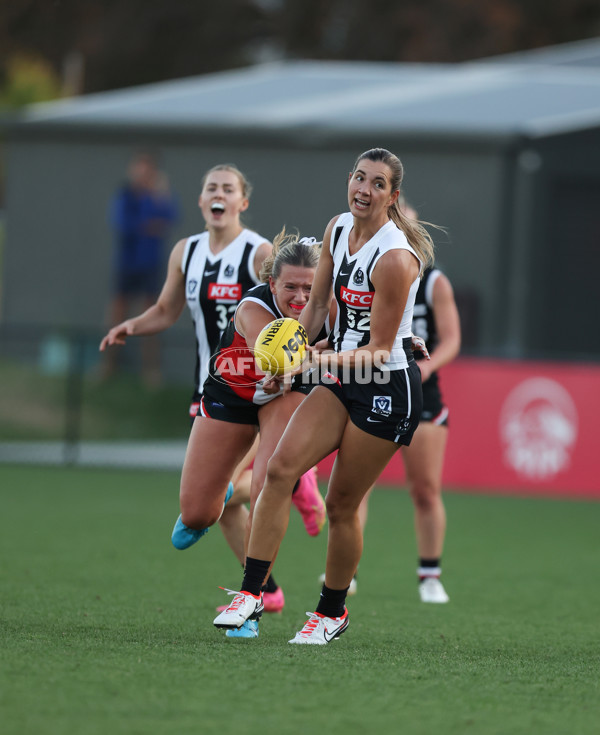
x,y
107,629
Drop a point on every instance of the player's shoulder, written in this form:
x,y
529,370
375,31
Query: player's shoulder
x,y
259,292
254,237
335,225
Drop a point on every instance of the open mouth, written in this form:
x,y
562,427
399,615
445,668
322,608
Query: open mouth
x,y
217,208
360,203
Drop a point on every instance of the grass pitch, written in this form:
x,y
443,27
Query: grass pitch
x,y
107,629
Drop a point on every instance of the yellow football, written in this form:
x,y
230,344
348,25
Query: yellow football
x,y
280,346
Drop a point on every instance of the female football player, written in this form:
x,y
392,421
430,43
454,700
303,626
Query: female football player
x,y
436,320
210,272
234,406
368,402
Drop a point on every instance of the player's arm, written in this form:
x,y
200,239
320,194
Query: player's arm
x,y
160,315
316,310
447,323
250,318
392,277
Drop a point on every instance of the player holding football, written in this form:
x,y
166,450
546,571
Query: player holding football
x,y
210,272
435,320
372,259
234,407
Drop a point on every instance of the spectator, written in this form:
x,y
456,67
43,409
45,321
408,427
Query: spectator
x,y
142,212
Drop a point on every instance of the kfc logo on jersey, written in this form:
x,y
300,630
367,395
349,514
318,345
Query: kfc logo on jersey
x,y
225,291
356,298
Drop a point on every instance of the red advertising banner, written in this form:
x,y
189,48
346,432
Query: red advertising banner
x,y
518,427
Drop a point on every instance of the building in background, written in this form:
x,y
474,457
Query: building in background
x,y
504,153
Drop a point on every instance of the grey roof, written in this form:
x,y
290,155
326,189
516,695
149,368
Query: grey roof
x,y
578,53
540,93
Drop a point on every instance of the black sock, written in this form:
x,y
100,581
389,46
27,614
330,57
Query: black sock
x,y
429,568
254,575
332,602
270,585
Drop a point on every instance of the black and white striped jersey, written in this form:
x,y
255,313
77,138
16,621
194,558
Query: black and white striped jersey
x,y
354,291
423,317
214,285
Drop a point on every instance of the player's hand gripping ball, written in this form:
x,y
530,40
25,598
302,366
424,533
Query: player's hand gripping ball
x,y
281,346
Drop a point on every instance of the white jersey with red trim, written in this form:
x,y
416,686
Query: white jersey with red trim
x,y
354,290
214,286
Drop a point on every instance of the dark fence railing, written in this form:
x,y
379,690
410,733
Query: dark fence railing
x,y
53,389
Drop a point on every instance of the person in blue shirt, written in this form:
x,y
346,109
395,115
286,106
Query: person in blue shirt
x,y
142,212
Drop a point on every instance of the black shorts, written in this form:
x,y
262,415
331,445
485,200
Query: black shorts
x,y
242,412
434,410
213,409
389,409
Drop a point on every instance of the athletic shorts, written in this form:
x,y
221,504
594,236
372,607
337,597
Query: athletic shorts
x,y
247,413
389,410
434,410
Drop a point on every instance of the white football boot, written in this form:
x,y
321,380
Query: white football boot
x,y
244,606
319,629
432,590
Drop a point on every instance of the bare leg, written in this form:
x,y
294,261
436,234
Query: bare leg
x,y
424,460
233,524
358,464
273,417
213,448
297,451
234,520
363,509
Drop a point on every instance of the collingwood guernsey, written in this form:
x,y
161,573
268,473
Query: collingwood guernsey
x,y
354,290
214,285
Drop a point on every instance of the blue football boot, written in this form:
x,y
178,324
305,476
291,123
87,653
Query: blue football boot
x,y
248,630
183,536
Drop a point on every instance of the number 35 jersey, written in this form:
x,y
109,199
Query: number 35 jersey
x,y
214,286
354,291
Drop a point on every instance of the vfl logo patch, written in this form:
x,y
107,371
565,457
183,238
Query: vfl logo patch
x,y
225,291
356,298
382,405
358,278
229,271
192,286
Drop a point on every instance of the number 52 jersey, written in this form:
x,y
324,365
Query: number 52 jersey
x,y
354,291
214,285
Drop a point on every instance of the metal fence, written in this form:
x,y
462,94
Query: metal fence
x,y
57,406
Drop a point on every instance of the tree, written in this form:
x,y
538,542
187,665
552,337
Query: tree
x,y
128,42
